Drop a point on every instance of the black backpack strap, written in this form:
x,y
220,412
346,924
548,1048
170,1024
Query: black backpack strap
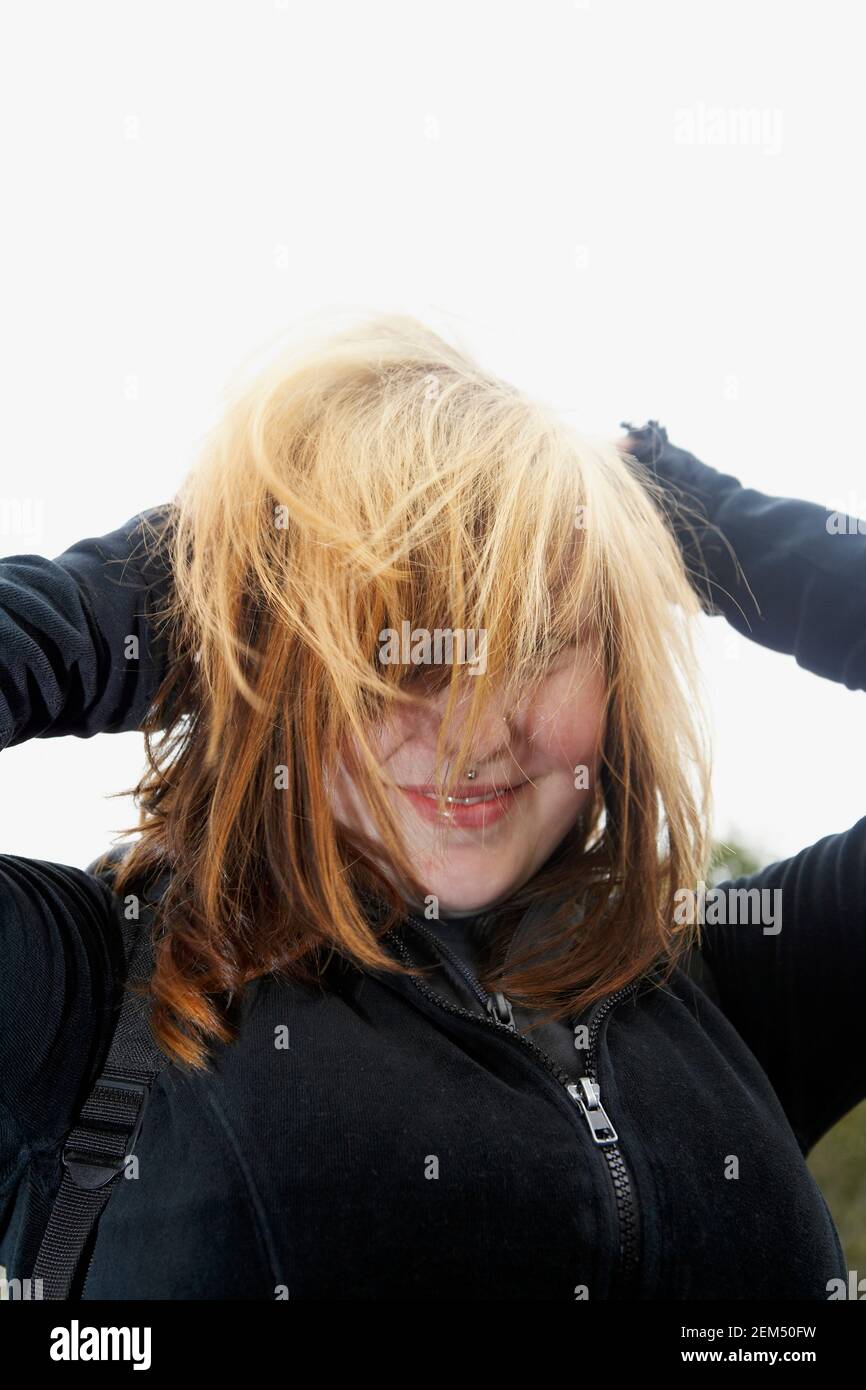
x,y
106,1128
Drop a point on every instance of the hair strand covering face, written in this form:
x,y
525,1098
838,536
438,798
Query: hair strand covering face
x,y
367,476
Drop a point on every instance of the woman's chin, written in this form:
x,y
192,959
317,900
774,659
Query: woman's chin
x,y
451,898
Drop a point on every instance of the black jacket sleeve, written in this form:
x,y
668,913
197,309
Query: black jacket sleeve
x,y
783,576
79,654
82,649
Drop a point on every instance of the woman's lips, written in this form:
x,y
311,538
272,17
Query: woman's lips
x,y
488,804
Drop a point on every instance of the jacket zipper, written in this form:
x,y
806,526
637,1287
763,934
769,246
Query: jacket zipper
x,y
586,1093
619,1174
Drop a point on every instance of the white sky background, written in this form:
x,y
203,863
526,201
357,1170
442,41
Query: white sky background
x,y
184,180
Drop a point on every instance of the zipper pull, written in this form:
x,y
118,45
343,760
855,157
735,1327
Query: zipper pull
x,y
588,1096
500,1009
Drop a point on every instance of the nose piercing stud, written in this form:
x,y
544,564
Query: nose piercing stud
x,y
471,774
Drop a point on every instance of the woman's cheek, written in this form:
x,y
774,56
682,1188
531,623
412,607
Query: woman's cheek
x,y
568,725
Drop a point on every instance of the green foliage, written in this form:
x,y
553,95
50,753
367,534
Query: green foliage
x,y
730,859
838,1165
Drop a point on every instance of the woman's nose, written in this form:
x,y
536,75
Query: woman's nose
x,y
493,735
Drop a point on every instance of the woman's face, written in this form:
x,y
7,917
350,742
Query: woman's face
x,y
535,766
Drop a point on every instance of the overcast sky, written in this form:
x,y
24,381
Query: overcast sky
x,y
629,210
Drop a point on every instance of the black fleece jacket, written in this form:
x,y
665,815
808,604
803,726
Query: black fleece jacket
x,y
406,1145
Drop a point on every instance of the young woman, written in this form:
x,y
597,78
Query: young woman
x,y
423,836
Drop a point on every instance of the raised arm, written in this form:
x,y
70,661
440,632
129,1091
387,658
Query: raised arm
x,y
80,650
79,654
769,565
794,986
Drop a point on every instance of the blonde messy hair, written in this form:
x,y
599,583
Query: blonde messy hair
x,y
365,477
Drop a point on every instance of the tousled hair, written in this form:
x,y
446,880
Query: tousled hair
x,y
368,476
